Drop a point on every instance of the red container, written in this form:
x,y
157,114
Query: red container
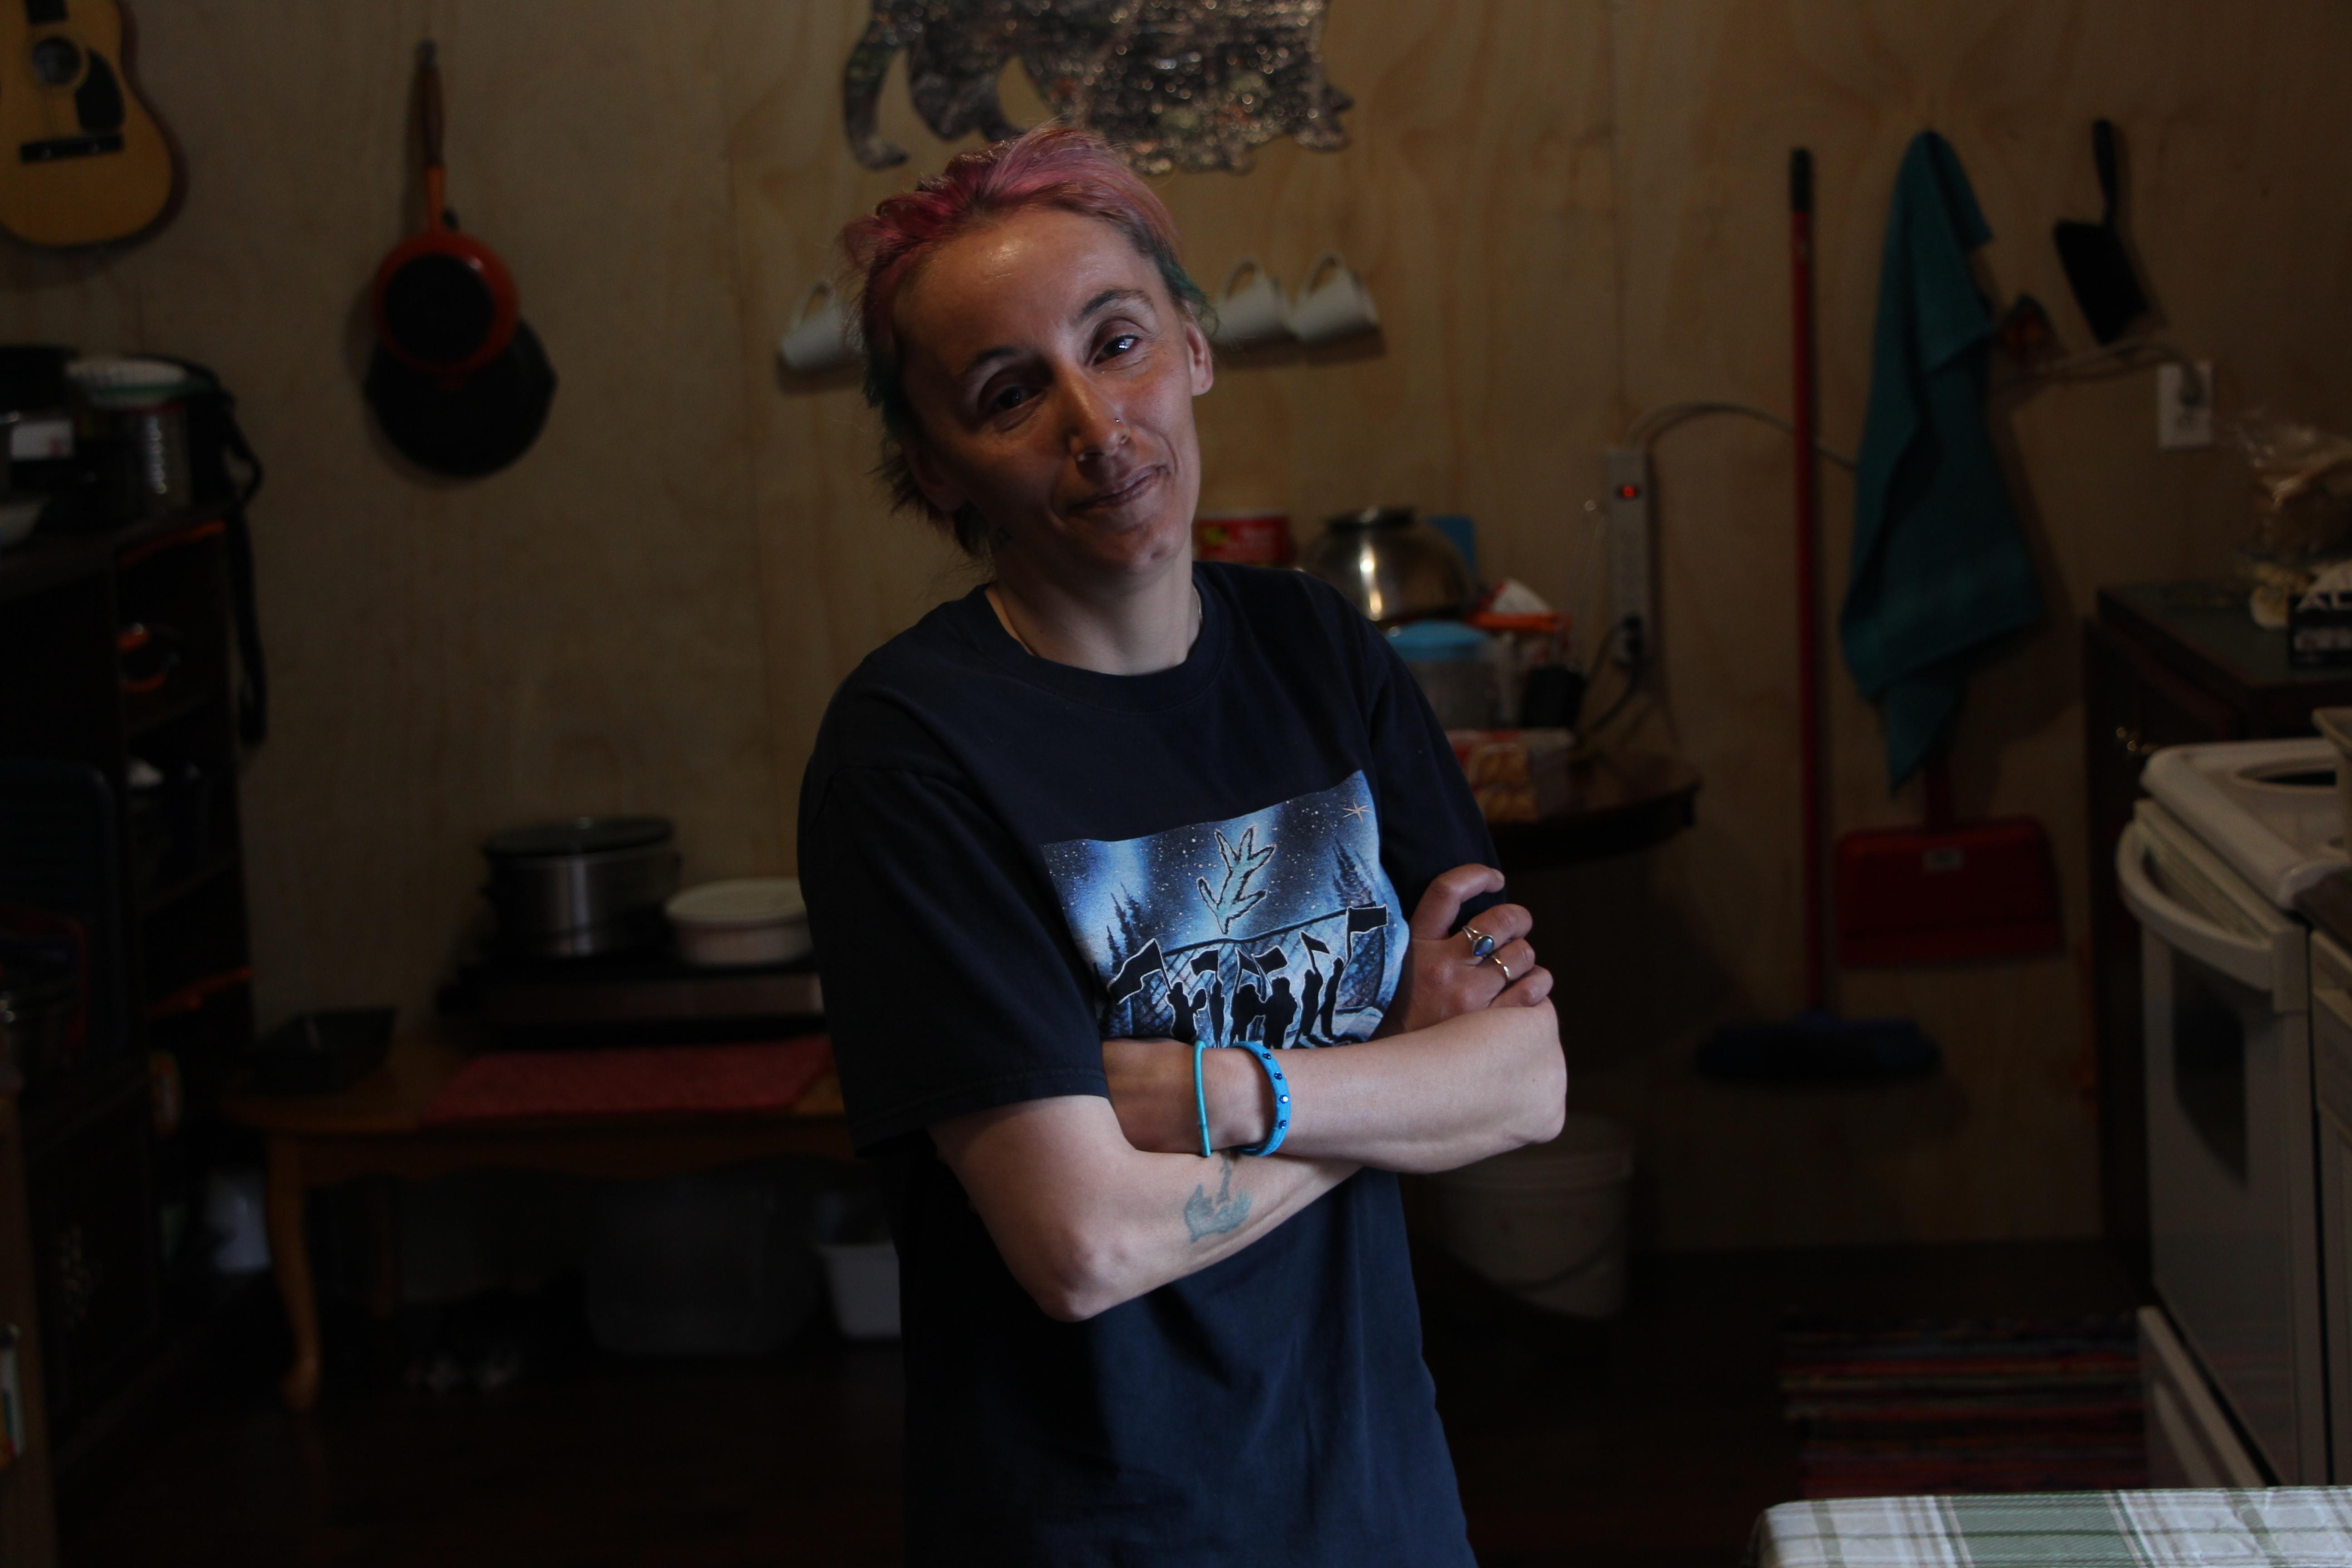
x,y
1933,894
1253,538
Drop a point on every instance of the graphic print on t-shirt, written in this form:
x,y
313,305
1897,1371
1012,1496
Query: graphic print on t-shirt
x,y
1278,927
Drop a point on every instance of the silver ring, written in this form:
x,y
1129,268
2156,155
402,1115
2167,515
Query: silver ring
x,y
1481,944
1505,969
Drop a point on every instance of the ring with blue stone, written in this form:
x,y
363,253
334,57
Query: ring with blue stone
x,y
1481,944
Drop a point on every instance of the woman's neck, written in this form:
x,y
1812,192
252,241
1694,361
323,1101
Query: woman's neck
x,y
1133,627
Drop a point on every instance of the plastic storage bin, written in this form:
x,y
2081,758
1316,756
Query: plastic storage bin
x,y
1547,1222
715,1263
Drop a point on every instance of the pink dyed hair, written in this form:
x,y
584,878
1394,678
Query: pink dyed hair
x,y
1051,166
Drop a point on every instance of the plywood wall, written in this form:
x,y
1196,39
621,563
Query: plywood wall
x,y
1570,211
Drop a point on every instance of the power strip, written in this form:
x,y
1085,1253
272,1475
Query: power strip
x,y
1632,612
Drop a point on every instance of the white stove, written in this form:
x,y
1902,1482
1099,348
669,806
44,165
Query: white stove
x,y
2246,1176
2266,807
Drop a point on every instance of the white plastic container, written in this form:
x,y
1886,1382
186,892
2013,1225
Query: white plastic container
x,y
863,1278
18,519
861,1264
751,921
233,1209
1547,1223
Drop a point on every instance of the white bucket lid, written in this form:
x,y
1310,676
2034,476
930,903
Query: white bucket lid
x,y
744,901
112,381
1590,1152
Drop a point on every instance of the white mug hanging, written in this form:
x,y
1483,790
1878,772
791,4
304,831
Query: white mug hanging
x,y
1252,314
822,339
1340,306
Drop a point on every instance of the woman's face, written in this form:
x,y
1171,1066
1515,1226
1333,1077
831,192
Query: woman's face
x,y
1053,379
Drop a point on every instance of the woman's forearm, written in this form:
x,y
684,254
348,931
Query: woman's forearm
x,y
1475,1085
1085,1221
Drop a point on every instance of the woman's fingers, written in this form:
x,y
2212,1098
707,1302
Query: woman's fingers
x,y
1509,961
1526,990
1505,922
1434,918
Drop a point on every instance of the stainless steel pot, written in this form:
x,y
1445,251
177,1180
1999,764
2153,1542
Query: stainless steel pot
x,y
576,888
1391,566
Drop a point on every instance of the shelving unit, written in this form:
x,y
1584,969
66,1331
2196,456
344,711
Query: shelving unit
x,y
112,1183
27,1523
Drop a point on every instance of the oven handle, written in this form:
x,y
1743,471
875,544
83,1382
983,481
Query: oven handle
x,y
2243,958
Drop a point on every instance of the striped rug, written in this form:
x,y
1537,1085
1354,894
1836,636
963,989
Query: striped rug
x,y
1883,1408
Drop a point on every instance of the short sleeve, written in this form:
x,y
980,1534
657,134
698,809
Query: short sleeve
x,y
949,986
1430,822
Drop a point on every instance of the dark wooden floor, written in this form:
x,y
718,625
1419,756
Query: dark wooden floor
x,y
1652,1442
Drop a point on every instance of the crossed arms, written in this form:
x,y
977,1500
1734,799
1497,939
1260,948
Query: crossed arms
x,y
1094,1201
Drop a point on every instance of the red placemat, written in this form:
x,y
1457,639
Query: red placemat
x,y
634,1080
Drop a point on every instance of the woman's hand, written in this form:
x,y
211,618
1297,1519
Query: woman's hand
x,y
1443,977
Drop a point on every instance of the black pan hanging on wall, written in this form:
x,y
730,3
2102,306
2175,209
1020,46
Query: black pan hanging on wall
x,y
458,380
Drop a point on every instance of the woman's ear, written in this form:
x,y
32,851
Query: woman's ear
x,y
1200,360
923,465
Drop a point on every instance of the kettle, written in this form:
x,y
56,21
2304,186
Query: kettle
x,y
1390,565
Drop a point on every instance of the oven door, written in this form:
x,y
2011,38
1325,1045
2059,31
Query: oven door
x,y
2331,1071
2232,1200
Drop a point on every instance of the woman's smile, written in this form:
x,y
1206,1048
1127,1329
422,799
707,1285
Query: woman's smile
x,y
1124,493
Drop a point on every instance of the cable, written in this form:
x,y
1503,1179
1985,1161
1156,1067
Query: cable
x,y
1666,416
1586,732
1600,654
2127,350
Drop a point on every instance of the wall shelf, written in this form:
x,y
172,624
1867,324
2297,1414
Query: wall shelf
x,y
97,1169
220,865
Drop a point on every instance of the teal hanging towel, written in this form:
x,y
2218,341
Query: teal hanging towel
x,y
1940,566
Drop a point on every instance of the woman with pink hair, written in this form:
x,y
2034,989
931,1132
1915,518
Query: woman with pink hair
x,y
1103,860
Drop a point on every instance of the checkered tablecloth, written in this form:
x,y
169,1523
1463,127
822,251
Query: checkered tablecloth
x,y
2280,1527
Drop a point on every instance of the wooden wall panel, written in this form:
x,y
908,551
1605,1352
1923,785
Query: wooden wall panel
x,y
2227,211
574,635
1570,211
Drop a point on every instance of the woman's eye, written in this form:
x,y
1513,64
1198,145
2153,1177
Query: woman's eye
x,y
1009,399
1124,342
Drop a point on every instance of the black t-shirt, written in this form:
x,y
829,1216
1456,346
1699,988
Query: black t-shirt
x,y
1008,860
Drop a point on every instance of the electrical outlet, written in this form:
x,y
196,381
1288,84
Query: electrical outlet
x,y
2184,406
1630,612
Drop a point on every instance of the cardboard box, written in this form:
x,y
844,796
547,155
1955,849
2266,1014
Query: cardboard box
x,y
1517,775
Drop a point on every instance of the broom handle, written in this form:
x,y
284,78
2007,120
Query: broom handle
x,y
1809,708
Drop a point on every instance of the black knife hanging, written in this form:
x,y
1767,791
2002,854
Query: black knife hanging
x,y
2097,266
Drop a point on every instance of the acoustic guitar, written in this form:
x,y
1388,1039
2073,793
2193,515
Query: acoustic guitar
x,y
81,159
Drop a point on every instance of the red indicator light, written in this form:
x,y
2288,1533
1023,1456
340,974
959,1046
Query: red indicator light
x,y
1629,492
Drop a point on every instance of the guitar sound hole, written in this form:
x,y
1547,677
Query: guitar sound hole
x,y
438,309
56,61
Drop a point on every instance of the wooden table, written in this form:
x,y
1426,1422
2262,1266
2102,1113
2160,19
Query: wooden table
x,y
1624,802
376,1128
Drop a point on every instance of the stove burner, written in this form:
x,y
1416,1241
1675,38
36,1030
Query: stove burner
x,y
2290,775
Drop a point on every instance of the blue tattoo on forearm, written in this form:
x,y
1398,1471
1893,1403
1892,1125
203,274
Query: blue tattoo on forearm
x,y
1205,1215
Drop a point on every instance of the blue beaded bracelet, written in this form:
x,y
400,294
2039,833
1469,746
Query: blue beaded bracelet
x,y
1200,1097
1281,1098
